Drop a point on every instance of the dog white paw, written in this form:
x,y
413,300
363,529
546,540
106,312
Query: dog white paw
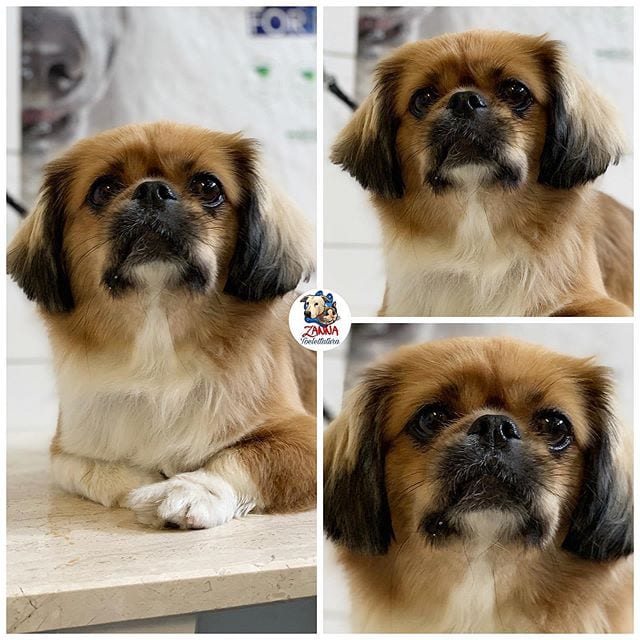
x,y
196,500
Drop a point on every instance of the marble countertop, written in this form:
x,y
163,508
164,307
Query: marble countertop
x,y
71,562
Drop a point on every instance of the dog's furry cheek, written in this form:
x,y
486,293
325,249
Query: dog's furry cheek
x,y
550,508
208,256
516,158
416,159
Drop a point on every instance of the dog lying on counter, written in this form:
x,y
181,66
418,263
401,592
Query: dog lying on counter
x,y
162,264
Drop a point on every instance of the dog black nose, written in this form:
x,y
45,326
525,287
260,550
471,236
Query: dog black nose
x,y
154,192
465,103
494,431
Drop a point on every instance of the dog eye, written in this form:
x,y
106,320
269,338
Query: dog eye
x,y
421,100
103,190
557,427
428,420
516,94
208,188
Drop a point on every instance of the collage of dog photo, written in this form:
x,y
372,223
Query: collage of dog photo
x,y
320,319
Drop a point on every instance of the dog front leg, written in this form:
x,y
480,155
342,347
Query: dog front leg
x,y
107,483
595,306
273,470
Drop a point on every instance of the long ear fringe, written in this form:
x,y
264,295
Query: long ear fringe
x,y
366,147
356,508
35,257
274,248
602,522
583,135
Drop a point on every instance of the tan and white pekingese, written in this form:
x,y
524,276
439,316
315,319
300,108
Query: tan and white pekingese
x,y
481,485
479,150
161,264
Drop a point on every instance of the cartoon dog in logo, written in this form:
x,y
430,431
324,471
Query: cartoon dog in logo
x,y
314,306
329,316
320,308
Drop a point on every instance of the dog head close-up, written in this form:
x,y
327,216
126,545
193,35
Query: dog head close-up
x,y
498,108
448,441
174,208
314,306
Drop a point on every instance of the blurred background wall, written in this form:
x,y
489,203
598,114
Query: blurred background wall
x,y
599,42
73,71
611,344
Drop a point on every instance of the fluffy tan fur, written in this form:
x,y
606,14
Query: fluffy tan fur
x,y
541,247
482,581
188,407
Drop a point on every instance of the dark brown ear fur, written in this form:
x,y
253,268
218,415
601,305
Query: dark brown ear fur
x,y
272,253
36,259
582,137
602,521
356,507
366,147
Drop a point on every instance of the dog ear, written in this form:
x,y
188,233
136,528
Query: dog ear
x,y
366,147
36,258
583,136
602,521
356,507
273,249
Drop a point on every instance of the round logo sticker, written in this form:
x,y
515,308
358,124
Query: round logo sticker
x,y
320,320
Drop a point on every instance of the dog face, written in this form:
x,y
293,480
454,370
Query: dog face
x,y
443,438
314,306
329,316
503,108
182,206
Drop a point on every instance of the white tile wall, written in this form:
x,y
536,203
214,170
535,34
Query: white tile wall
x,y
32,402
31,398
340,30
352,258
335,594
27,338
13,79
357,273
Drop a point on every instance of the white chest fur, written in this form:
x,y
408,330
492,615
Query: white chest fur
x,y
473,274
476,601
470,608
153,407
